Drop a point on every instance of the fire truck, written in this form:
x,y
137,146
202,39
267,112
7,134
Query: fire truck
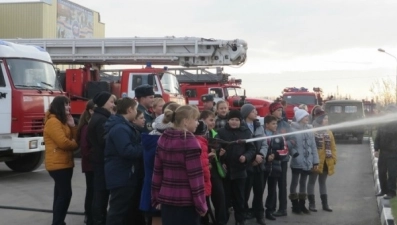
x,y
196,82
296,96
82,84
27,86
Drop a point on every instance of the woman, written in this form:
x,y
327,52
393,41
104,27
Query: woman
x,y
178,180
86,166
327,155
59,139
304,160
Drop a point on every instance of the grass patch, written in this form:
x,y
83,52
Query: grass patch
x,y
393,205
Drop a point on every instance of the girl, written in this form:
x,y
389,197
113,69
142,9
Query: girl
x,y
327,154
139,121
59,138
237,157
304,160
178,180
222,108
149,142
158,104
86,166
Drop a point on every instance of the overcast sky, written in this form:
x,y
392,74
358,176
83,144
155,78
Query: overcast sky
x,y
325,43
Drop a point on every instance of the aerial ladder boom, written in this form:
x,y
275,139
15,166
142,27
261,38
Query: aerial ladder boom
x,y
187,51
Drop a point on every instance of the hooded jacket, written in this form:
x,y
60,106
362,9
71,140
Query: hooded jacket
x,y
304,153
178,178
59,143
206,164
260,146
123,153
236,169
284,127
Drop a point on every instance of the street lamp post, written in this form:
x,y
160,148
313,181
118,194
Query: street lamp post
x,y
382,50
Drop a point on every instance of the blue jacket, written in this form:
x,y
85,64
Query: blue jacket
x,y
150,144
123,153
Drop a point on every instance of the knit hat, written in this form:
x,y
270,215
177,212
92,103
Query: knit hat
x,y
159,126
144,90
274,106
101,98
234,114
246,109
300,113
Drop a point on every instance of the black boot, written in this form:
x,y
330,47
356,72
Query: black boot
x,y
312,203
295,203
302,202
324,202
270,216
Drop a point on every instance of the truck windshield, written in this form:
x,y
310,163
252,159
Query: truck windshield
x,y
300,99
231,91
29,73
170,83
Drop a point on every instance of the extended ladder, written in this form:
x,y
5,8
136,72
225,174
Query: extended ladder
x,y
188,51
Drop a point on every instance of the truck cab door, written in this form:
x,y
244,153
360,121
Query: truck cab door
x,y
137,79
5,101
217,93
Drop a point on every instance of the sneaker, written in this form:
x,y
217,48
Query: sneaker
x,y
389,196
280,213
380,194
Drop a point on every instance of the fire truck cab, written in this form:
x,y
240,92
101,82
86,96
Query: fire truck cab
x,y
296,96
218,84
27,86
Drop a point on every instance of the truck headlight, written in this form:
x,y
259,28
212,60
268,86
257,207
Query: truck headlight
x,y
33,144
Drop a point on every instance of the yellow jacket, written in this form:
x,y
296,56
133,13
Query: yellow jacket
x,y
59,143
331,162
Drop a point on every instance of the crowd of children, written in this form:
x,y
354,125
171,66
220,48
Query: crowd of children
x,y
176,165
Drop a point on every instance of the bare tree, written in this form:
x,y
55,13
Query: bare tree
x,y
383,91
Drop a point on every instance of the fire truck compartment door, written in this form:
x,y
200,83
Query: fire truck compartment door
x,y
5,101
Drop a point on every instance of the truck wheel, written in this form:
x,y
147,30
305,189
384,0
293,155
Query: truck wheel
x,y
26,162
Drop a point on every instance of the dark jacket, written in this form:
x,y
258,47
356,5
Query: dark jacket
x,y
284,127
220,122
149,143
274,144
386,138
85,149
123,153
96,135
235,168
260,146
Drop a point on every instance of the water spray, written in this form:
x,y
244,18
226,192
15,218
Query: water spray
x,y
392,117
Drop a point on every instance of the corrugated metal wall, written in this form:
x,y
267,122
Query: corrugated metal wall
x,y
21,20
99,28
50,20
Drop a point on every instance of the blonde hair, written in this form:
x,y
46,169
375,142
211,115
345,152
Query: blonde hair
x,y
221,102
304,107
157,101
181,113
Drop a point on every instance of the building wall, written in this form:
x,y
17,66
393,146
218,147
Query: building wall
x,y
36,20
21,20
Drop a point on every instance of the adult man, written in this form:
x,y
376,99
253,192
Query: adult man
x,y
145,96
276,110
208,102
386,149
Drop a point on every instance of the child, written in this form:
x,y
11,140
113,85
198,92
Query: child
x,y
304,160
327,154
275,153
139,121
217,191
237,157
178,180
222,108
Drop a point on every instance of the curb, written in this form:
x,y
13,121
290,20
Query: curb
x,y
386,217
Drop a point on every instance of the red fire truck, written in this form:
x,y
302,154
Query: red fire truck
x,y
27,86
83,83
197,82
297,96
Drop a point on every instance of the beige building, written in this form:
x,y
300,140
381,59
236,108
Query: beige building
x,y
49,19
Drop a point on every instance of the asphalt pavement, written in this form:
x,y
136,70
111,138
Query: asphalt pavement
x,y
350,189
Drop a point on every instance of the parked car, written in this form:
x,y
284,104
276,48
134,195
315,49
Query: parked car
x,y
340,111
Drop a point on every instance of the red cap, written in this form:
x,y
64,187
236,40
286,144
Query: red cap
x,y
274,106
